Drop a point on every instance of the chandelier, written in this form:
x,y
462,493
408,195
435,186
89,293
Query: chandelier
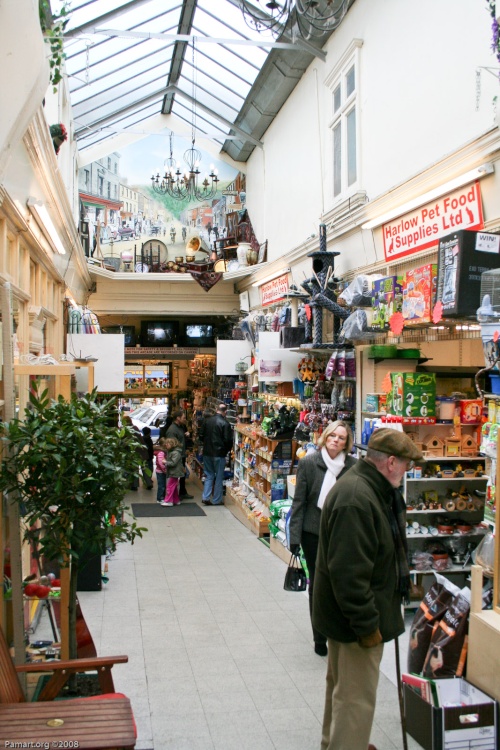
x,y
185,185
301,18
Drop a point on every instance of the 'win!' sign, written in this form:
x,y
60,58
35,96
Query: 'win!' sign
x,y
423,227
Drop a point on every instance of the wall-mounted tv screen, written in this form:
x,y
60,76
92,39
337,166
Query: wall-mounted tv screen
x,y
159,332
198,335
128,332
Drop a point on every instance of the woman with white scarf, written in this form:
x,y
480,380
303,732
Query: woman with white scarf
x,y
316,476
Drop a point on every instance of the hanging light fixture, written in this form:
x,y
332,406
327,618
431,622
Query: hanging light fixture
x,y
301,18
184,185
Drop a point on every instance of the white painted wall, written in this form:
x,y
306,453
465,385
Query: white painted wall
x,y
417,104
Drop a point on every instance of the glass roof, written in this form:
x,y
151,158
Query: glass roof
x,y
127,62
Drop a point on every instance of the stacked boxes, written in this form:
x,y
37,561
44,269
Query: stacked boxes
x,y
419,291
387,298
413,394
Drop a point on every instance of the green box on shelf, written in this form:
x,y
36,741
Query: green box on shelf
x,y
413,394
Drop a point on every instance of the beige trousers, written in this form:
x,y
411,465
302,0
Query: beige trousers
x,y
351,692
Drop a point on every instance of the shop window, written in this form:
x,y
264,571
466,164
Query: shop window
x,y
109,162
344,123
101,185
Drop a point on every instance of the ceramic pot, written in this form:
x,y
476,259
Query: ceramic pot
x,y
252,256
242,251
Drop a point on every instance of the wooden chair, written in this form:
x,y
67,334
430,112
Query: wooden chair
x,y
97,723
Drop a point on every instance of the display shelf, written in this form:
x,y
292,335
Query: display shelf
x,y
258,525
455,535
453,569
279,550
442,511
411,480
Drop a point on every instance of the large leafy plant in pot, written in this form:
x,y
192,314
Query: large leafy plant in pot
x,y
70,468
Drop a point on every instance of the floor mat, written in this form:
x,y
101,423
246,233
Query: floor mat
x,y
155,510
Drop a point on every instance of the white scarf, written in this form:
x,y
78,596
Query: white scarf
x,y
334,466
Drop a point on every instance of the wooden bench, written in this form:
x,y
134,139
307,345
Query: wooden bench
x,y
97,723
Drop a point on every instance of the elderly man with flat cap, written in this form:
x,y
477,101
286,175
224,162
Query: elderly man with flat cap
x,y
362,578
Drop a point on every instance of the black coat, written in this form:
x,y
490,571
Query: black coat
x,y
355,580
217,436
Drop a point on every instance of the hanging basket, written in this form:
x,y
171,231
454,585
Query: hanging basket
x,y
241,366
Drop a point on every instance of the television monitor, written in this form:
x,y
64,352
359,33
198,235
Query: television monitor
x,y
196,334
128,332
159,332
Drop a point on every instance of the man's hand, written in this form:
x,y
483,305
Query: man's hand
x,y
295,549
369,641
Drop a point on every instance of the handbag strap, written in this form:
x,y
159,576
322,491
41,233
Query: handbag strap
x,y
294,561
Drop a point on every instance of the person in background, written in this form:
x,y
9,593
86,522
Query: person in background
x,y
361,581
217,435
175,470
148,442
161,471
179,431
316,475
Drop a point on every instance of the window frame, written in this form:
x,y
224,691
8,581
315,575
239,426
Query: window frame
x,y
337,81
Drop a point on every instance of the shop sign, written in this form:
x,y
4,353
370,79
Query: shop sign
x,y
274,290
423,227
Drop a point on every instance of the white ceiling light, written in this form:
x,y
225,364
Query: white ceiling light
x,y
473,174
271,277
42,216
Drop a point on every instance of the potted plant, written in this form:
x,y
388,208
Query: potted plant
x,y
59,135
70,468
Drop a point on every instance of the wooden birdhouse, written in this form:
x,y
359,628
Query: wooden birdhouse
x,y
453,446
432,445
469,446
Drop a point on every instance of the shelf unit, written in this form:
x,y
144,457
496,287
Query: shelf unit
x,y
442,487
261,464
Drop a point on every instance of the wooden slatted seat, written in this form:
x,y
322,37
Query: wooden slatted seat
x,y
99,723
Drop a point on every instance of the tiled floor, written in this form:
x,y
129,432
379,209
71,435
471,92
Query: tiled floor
x,y
220,656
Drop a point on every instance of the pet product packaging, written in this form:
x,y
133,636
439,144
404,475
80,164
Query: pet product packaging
x,y
419,291
447,651
413,394
387,298
431,609
462,258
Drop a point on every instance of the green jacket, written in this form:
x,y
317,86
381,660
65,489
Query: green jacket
x,y
355,581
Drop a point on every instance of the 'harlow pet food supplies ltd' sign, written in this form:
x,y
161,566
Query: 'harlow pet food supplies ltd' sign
x,y
274,290
423,227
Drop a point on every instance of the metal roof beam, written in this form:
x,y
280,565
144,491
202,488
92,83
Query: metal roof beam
x,y
116,13
200,39
215,115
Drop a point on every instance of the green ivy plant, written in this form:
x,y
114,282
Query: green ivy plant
x,y
69,469
53,26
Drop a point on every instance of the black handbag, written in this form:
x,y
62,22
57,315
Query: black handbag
x,y
295,578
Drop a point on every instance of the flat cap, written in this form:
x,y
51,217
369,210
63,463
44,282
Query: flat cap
x,y
394,443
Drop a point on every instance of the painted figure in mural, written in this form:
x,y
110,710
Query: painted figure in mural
x,y
184,234
172,235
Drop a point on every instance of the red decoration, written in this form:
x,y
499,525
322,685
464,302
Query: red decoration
x,y
387,383
437,313
396,323
308,310
495,336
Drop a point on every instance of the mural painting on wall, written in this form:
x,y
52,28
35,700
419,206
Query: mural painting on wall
x,y
125,215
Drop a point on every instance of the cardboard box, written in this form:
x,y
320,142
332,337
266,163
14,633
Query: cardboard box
x,y
471,723
413,394
387,298
419,292
462,258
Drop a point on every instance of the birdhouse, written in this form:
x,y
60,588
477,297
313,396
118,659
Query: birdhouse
x,y
432,445
453,446
469,446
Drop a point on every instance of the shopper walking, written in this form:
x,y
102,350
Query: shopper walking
x,y
161,470
217,436
179,431
361,579
175,470
316,475
148,442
